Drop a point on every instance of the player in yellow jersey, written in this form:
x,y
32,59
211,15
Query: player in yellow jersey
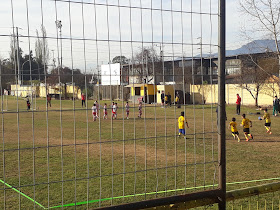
x,y
246,124
181,124
234,131
267,123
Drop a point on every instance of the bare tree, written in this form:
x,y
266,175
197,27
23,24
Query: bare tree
x,y
255,72
146,63
41,47
265,16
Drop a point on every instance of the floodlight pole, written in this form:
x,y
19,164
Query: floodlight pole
x,y
221,104
59,27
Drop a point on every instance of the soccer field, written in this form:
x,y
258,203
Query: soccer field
x,y
62,157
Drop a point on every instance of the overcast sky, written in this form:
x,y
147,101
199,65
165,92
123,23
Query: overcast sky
x,y
91,37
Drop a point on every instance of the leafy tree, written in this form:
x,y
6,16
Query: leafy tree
x,y
66,75
37,69
7,73
120,59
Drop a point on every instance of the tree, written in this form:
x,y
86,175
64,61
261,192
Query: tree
x,y
120,59
41,47
7,73
255,71
146,55
15,53
146,65
66,75
265,16
37,69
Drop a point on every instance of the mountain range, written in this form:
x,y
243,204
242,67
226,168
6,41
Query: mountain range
x,y
256,46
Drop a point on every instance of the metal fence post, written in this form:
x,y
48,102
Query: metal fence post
x,y
221,110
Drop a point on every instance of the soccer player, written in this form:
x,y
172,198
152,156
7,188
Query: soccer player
x,y
246,124
113,113
267,123
94,111
127,110
105,116
97,107
114,110
140,109
234,131
181,124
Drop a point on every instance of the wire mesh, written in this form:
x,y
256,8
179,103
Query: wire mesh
x,y
61,146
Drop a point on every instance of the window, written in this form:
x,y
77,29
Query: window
x,y
137,91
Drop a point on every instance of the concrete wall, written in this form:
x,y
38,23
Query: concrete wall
x,y
40,91
210,94
166,89
112,92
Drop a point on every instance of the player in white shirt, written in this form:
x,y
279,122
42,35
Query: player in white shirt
x,y
127,110
115,109
94,111
97,107
140,109
112,105
105,111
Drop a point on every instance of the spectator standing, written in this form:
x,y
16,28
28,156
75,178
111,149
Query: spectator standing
x,y
177,100
169,99
49,99
162,96
275,106
238,103
83,100
28,103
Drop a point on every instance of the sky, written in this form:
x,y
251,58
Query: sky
x,y
95,31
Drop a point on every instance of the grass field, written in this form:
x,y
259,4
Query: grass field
x,y
58,158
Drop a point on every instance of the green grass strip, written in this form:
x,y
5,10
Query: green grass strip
x,y
159,192
22,194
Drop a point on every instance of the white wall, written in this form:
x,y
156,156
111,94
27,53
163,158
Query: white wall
x,y
110,74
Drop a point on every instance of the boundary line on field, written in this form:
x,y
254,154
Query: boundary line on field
x,y
127,196
18,191
158,192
